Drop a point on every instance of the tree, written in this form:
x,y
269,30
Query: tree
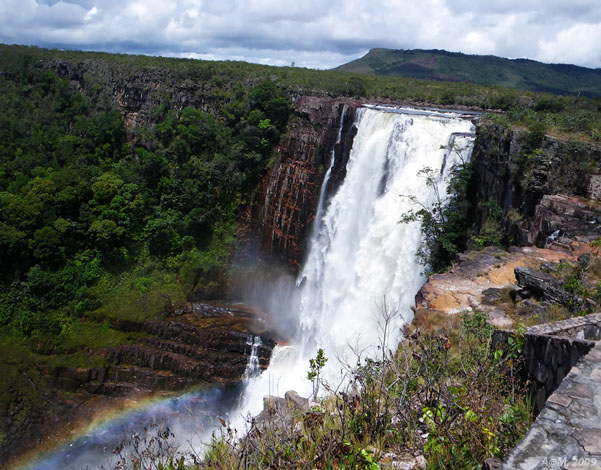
x,y
444,223
315,367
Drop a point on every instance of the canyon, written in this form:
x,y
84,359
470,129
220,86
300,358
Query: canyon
x,y
210,343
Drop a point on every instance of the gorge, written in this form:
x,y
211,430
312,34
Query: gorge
x,y
359,258
318,246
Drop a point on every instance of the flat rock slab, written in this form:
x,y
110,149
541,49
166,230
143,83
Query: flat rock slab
x,y
559,399
475,282
584,410
594,355
581,391
590,440
596,375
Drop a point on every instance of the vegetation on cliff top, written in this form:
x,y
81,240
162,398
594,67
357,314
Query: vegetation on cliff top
x,y
560,114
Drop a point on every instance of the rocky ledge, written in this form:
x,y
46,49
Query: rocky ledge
x,y
480,279
520,281
203,343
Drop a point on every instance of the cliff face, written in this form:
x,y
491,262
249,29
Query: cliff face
x,y
524,177
279,218
515,170
138,92
548,190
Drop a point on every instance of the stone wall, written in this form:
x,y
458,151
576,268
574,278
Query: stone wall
x,y
550,350
585,328
567,432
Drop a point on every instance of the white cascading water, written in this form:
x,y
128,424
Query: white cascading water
x,y
360,256
252,368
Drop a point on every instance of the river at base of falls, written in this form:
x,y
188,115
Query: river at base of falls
x,y
360,260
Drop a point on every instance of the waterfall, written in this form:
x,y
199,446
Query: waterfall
x,y
360,257
326,179
252,368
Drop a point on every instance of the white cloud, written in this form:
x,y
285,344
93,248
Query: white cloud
x,y
577,44
310,32
91,14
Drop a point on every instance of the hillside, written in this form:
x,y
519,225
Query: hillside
x,y
521,74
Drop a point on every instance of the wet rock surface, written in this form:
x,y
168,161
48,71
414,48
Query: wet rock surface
x,y
203,343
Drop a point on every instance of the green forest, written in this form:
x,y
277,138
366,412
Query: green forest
x,y
90,212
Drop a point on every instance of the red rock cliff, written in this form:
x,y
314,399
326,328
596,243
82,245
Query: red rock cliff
x,y
276,224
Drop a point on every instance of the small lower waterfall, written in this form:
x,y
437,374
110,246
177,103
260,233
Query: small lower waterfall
x,y
360,257
252,368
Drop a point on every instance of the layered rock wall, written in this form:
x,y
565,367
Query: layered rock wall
x,y
516,170
278,221
171,355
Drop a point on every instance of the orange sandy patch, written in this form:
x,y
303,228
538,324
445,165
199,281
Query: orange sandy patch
x,y
461,289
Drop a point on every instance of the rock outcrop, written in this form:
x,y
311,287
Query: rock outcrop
x,y
479,277
542,285
520,172
558,215
173,354
278,220
203,344
564,367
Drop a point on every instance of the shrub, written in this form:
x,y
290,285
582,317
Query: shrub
x,y
445,223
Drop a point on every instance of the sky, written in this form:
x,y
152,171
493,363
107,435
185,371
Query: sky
x,y
310,33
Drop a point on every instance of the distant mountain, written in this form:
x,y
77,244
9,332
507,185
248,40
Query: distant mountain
x,y
441,65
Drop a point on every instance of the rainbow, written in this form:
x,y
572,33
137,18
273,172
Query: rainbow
x,y
190,416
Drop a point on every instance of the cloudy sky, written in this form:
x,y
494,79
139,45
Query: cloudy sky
x,y
312,33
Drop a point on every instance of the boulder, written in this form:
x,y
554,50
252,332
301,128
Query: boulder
x,y
544,286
